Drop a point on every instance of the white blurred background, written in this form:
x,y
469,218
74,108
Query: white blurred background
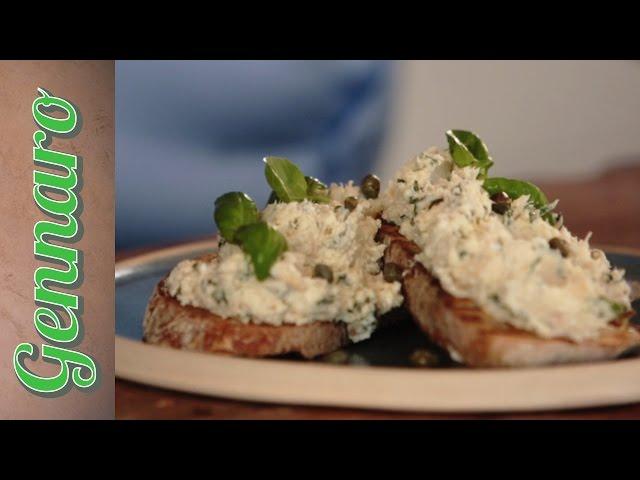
x,y
540,119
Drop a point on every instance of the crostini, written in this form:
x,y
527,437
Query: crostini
x,y
303,275
490,274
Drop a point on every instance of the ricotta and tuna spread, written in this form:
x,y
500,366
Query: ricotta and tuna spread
x,y
316,233
504,263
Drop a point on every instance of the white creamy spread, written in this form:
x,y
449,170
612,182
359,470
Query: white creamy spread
x,y
328,234
502,262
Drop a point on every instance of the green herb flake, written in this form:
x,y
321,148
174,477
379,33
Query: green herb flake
x,y
617,308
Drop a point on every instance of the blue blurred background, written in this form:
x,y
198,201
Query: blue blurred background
x,y
189,131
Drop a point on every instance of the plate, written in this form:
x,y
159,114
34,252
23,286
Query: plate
x,y
376,373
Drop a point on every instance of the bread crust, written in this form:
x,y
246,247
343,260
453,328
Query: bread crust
x,y
474,337
168,323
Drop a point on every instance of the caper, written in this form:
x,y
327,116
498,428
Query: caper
x,y
370,186
323,271
392,272
501,203
557,243
350,203
424,358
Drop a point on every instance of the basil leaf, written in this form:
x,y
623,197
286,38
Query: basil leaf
x,y
467,149
518,188
232,211
263,244
316,190
285,179
515,189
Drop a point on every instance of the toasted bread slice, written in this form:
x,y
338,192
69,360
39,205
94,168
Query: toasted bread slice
x,y
473,337
167,322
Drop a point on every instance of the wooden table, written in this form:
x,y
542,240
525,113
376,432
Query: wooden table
x,y
608,205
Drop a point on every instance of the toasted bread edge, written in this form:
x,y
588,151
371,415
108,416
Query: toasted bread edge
x,y
168,323
473,337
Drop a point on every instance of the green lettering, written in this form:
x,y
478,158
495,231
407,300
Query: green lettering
x,y
71,364
56,332
54,194
57,125
65,277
